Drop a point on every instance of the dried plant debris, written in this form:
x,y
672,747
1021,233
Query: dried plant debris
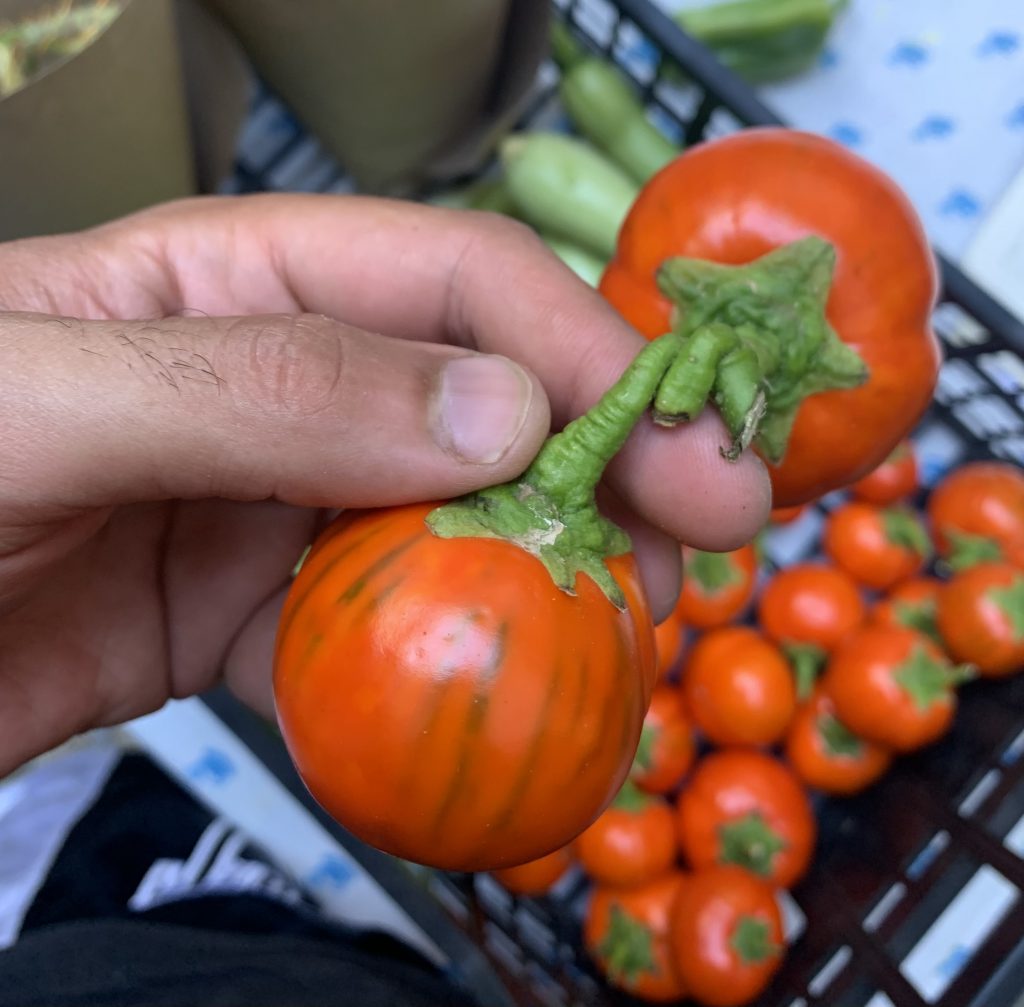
x,y
31,46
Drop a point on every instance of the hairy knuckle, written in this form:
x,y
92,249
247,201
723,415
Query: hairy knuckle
x,y
289,365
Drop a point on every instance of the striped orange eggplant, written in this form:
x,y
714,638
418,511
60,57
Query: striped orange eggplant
x,y
446,702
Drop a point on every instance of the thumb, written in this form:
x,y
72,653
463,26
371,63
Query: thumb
x,y
299,408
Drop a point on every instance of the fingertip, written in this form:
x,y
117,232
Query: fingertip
x,y
679,480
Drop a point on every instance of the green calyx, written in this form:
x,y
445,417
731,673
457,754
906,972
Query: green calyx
x,y
631,799
757,342
806,660
904,528
929,680
627,949
712,572
644,758
966,550
918,615
1010,601
750,842
839,741
752,941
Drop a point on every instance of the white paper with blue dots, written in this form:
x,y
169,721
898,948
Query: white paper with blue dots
x,y
932,91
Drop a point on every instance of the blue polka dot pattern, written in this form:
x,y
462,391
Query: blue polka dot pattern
x,y
847,134
909,54
999,43
960,203
934,127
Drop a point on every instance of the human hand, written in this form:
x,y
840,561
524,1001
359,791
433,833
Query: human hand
x,y
188,390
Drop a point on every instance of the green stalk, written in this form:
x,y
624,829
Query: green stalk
x,y
605,109
758,342
551,511
627,947
564,187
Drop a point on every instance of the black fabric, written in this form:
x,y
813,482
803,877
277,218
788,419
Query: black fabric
x,y
153,900
132,963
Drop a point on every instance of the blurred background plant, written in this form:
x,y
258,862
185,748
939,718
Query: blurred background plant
x,y
31,45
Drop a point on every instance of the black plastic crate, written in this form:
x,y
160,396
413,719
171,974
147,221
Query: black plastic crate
x,y
916,893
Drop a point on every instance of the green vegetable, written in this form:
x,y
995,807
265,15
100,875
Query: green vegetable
x,y
565,188
566,48
604,107
484,194
763,40
586,266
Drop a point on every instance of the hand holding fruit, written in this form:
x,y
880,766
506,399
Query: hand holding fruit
x,y
187,391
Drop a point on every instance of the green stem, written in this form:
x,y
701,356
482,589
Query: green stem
x,y
631,799
754,339
919,615
928,680
758,342
691,378
628,948
966,550
752,941
712,572
644,758
807,660
570,464
839,741
1009,599
551,511
904,528
751,843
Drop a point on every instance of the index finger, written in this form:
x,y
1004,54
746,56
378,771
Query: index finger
x,y
426,273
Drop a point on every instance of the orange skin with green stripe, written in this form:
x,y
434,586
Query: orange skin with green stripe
x,y
444,701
